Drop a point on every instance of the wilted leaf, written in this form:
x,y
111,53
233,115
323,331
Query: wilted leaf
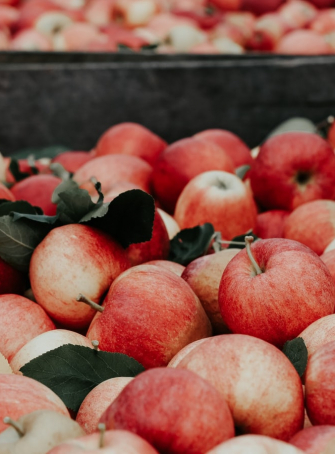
x,y
297,353
242,171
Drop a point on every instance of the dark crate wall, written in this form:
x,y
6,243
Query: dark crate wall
x,y
71,99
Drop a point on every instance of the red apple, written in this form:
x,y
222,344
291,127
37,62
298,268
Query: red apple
x,y
182,161
30,11
261,6
31,40
98,400
183,352
99,12
131,139
291,169
238,151
76,36
269,29
324,22
72,160
74,259
244,22
38,190
220,198
319,385
21,321
228,5
303,42
8,16
329,259
298,13
264,285
248,371
171,224
323,3
312,224
203,275
6,194
257,444
11,280
319,333
174,410
131,329
135,13
21,395
171,266
313,440
271,224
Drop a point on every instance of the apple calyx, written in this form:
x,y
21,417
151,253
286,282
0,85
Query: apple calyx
x,y
102,430
82,299
248,241
16,425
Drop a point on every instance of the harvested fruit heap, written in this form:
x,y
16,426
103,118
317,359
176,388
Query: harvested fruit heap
x,y
173,299
169,26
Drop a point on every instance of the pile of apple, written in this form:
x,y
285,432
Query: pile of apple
x,y
173,299
169,26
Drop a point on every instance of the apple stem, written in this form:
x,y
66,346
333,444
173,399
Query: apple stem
x,y
237,243
102,430
217,241
248,241
17,426
95,344
82,299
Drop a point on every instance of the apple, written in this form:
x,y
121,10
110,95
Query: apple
x,y
329,259
38,190
111,169
21,395
324,22
330,247
44,343
31,40
182,161
298,13
74,259
319,333
228,5
243,21
313,440
323,3
319,385
72,160
238,151
110,442
8,16
184,37
161,25
203,275
261,6
99,12
133,330
4,366
248,371
303,42
270,224
21,321
135,13
220,198
171,224
157,248
32,10
312,224
131,139
11,280
255,444
266,283
38,432
166,264
76,36
183,352
269,29
98,400
291,169
174,410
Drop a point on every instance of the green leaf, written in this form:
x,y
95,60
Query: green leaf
x,y
16,172
72,371
242,171
241,239
189,244
129,218
294,124
21,206
297,353
41,152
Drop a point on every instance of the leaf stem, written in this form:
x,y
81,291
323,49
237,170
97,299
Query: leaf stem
x,y
16,425
102,430
248,241
82,299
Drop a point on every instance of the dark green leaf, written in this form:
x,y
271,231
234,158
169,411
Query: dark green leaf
x,y
297,353
7,207
242,171
63,187
16,172
189,244
148,47
129,218
72,371
41,152
294,124
324,126
241,239
73,205
123,48
40,218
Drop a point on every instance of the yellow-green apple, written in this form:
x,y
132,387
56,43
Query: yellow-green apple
x,y
21,395
266,283
111,169
38,432
203,275
182,161
4,365
110,442
131,139
21,321
220,198
170,223
238,151
38,190
164,316
303,42
72,160
270,224
157,248
313,440
44,343
30,39
254,444
175,410
319,385
312,224
74,259
11,280
168,265
248,371
319,333
291,169
97,402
